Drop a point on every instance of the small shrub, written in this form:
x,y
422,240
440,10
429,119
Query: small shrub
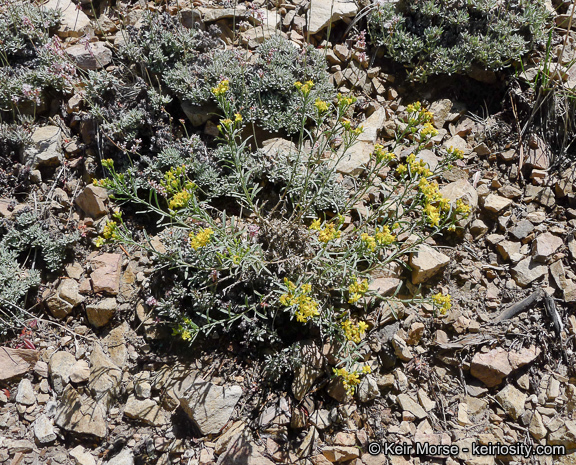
x,y
271,264
433,37
261,89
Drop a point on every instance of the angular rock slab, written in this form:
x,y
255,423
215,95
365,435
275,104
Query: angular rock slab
x,y
79,414
322,13
426,262
16,362
210,406
492,367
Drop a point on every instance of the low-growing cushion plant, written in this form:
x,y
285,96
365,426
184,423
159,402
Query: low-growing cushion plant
x,y
433,37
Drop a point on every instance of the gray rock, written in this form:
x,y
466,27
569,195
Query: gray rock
x,y
81,457
320,419
80,372
147,411
91,201
210,406
94,55
528,270
105,377
508,248
68,291
74,22
310,370
522,229
59,369
546,245
426,262
81,415
100,313
368,389
408,403
46,150
44,430
25,394
125,457
325,12
440,109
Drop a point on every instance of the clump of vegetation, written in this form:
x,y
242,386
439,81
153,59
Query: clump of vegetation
x,y
23,243
262,89
273,260
433,37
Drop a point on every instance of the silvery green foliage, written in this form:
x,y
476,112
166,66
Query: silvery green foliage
x,y
431,37
262,88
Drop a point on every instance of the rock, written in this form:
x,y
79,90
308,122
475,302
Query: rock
x,y
100,313
496,204
461,189
510,192
310,370
512,401
546,245
456,142
79,414
243,451
198,115
508,248
478,228
125,457
408,403
340,453
59,369
94,55
426,262
210,15
14,446
25,394
58,307
528,270
80,372
229,436
428,157
91,201
384,286
44,430
565,435
322,13
46,150
320,419
210,406
16,362
68,291
522,229
492,367
368,389
116,344
425,401
559,275
105,377
81,457
74,22
415,333
107,272
401,349
147,411
440,109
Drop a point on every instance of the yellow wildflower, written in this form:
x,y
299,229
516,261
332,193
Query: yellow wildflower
x,y
354,332
461,207
306,307
428,130
180,200
304,88
237,118
321,105
383,236
329,233
401,169
315,225
369,241
366,369
381,155
350,380
201,238
444,302
221,88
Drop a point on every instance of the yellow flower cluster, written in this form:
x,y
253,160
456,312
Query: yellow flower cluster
x,y
304,88
357,289
328,233
172,181
418,112
180,200
347,125
461,207
109,233
456,153
306,306
221,88
381,237
201,238
354,332
321,105
418,167
433,196
428,130
382,155
345,101
350,379
108,163
444,302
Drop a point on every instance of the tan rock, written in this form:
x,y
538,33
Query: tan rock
x,y
100,313
426,262
91,201
496,204
106,274
492,367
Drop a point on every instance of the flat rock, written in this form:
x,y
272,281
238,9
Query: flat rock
x,y
426,262
408,403
242,450
46,149
340,453
92,201
325,12
210,406
105,377
536,426
147,411
59,369
107,273
25,393
81,457
565,435
492,367
80,372
461,189
512,401
81,415
368,389
440,109
125,457
522,229
528,270
94,55
384,286
546,245
16,362
101,312
310,370
44,430
74,22
496,204
508,248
